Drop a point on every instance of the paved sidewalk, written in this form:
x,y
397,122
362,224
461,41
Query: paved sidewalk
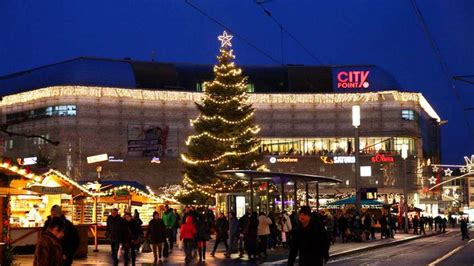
x,y
276,257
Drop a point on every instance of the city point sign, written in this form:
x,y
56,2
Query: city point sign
x,y
352,79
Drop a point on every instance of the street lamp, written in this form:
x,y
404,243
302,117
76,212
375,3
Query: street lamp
x,y
356,124
405,193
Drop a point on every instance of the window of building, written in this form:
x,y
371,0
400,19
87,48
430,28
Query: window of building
x,y
408,115
40,113
40,141
250,87
334,146
10,144
198,87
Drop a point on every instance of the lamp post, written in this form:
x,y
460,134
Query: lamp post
x,y
405,193
356,124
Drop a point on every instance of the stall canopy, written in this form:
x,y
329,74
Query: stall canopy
x,y
366,203
117,190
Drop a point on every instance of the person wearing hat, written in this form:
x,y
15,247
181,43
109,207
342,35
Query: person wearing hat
x,y
309,240
70,241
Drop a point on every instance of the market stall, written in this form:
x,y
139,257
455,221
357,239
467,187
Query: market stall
x,y
30,207
108,195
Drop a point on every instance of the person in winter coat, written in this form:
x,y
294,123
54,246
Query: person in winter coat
x,y
263,231
273,231
188,232
157,234
330,226
222,228
136,217
169,219
243,221
368,226
115,232
203,234
383,226
284,225
233,232
343,225
422,225
464,230
251,235
48,249
133,233
416,224
309,241
70,241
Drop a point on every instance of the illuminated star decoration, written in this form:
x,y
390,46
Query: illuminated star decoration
x,y
463,169
448,172
469,164
446,191
435,168
225,39
432,180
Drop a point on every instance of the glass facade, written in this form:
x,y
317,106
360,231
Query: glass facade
x,y
40,113
334,146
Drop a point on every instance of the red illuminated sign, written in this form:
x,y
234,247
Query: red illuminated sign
x,y
352,79
380,158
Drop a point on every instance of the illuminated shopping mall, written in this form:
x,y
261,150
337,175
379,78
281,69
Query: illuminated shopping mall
x,y
138,113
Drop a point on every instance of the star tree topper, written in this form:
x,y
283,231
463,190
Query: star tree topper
x,y
225,39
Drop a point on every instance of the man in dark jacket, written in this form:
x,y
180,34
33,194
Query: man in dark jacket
x,y
309,240
157,234
132,238
464,230
222,228
115,231
70,241
48,249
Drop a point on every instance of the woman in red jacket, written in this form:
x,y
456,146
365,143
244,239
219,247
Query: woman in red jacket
x,y
188,231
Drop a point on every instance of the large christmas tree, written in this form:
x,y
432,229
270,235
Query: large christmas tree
x,y
225,132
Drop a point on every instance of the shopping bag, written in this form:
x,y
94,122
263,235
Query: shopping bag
x,y
120,252
146,247
283,237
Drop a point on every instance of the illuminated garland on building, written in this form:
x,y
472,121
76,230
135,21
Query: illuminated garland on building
x,y
176,96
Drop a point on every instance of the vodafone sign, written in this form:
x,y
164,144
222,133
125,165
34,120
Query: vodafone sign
x,y
353,79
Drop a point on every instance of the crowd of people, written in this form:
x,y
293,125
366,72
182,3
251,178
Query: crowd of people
x,y
306,234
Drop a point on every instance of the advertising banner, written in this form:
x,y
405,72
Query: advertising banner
x,y
152,140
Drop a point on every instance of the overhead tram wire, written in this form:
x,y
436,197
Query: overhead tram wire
x,y
463,79
441,61
284,30
230,30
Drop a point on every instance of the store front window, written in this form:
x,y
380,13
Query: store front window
x,y
334,146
